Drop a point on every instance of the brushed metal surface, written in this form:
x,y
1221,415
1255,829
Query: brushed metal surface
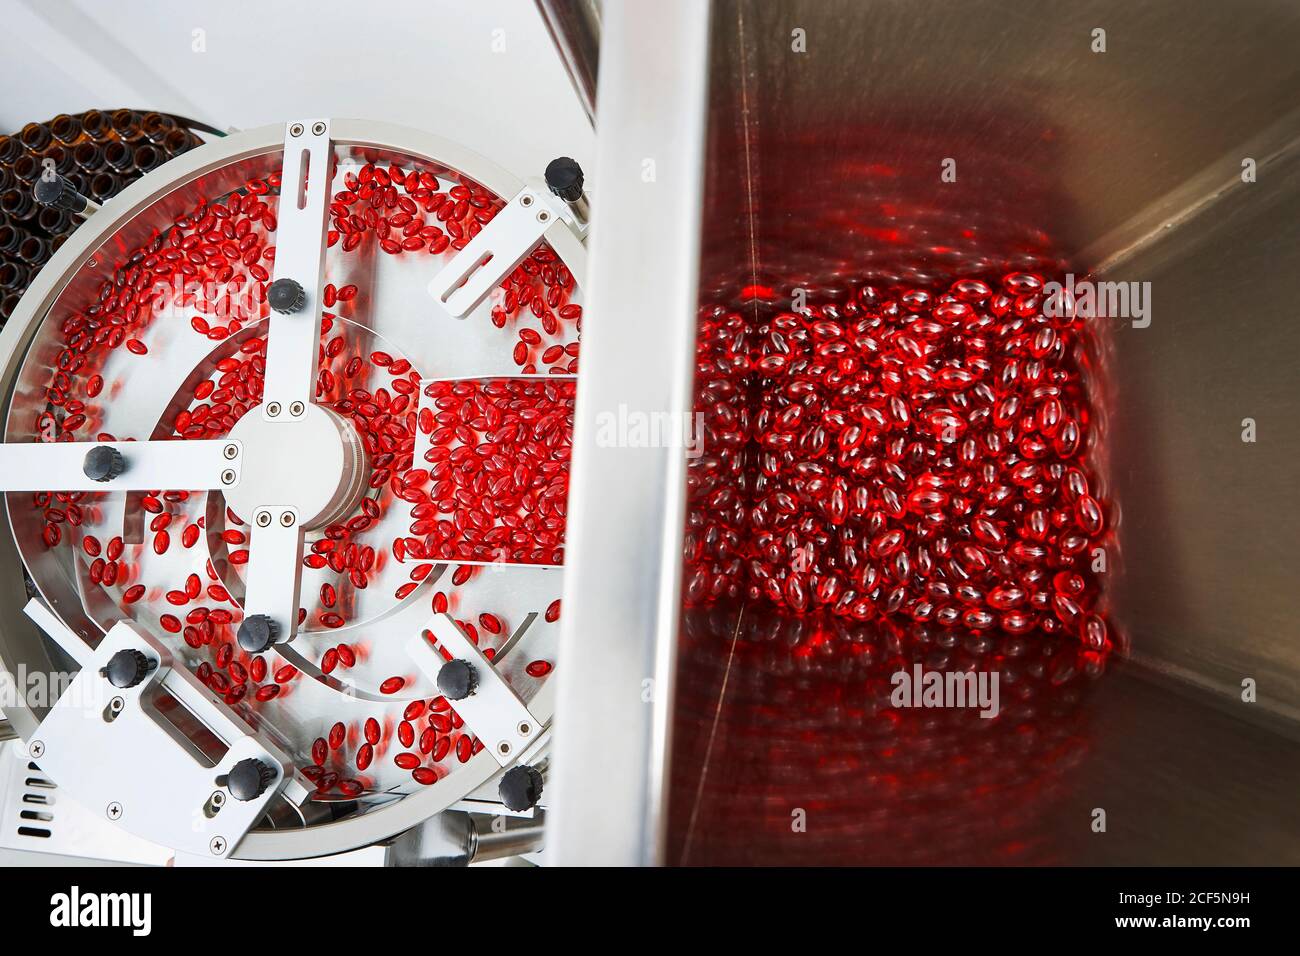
x,y
622,569
1181,782
1209,523
822,172
823,168
1056,146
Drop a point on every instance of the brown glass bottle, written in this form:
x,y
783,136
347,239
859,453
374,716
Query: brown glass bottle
x,y
88,156
156,126
126,124
95,124
147,157
177,141
104,186
11,147
118,156
11,237
27,169
35,136
17,203
67,130
14,275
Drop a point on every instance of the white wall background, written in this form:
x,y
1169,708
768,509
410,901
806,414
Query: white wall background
x,y
480,72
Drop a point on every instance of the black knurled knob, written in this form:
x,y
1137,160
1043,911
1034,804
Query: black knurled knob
x,y
564,177
457,679
127,668
59,192
103,463
286,296
520,788
256,633
249,779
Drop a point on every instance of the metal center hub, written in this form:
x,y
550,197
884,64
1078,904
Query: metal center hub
x,y
315,464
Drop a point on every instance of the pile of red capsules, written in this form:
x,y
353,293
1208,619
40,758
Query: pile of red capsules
x,y
904,454
499,462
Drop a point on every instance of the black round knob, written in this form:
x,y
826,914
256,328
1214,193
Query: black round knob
x,y
256,633
249,779
564,177
59,192
127,668
520,788
103,463
457,679
286,296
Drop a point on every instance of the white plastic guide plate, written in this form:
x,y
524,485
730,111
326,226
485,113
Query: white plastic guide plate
x,y
494,711
119,751
293,340
200,465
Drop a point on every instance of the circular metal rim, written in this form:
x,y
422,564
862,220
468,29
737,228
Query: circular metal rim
x,y
383,823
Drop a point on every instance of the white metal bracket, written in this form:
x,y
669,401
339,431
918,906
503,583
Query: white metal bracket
x,y
512,234
494,711
199,465
293,339
154,758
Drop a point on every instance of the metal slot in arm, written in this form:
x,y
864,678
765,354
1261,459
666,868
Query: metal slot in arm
x,y
491,709
139,738
293,339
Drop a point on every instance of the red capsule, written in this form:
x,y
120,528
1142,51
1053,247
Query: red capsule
x,y
407,761
365,754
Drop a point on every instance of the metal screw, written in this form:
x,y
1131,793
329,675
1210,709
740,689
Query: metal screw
x,y
296,409
230,451
218,845
36,748
117,705
228,476
524,728
543,215
503,748
263,519
218,799
525,200
273,409
318,129
114,811
286,519
296,129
